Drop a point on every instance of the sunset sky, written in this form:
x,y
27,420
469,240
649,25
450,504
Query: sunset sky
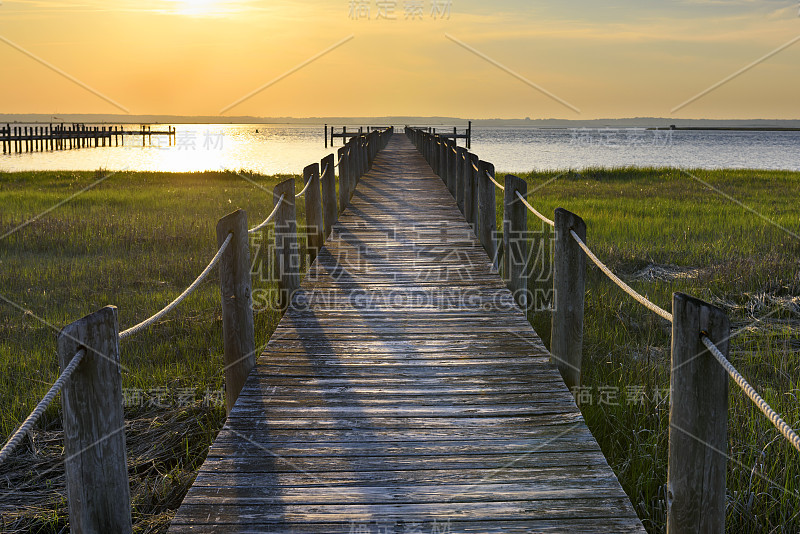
x,y
197,57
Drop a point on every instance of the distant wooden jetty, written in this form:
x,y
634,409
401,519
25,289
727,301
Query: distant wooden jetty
x,y
344,135
19,139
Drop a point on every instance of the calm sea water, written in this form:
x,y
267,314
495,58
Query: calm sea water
x,y
288,148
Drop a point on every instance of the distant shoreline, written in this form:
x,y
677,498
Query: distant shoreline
x,y
731,128
479,126
659,123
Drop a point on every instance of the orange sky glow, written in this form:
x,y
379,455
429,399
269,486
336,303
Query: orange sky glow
x,y
568,59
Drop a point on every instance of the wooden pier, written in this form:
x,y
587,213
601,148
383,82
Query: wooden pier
x,y
344,135
20,139
404,391
466,136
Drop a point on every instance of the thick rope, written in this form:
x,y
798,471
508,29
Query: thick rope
x,y
495,181
474,166
169,307
37,412
308,183
533,210
323,171
268,219
776,420
625,287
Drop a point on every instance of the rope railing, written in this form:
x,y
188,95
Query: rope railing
x,y
31,420
773,416
321,174
614,278
37,412
269,218
765,408
303,191
188,291
495,182
533,210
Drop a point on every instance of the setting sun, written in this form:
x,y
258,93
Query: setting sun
x,y
195,7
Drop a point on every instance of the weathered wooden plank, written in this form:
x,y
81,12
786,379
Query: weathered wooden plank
x,y
405,385
257,513
512,475
408,526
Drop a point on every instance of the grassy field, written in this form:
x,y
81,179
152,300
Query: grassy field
x,y
663,231
137,239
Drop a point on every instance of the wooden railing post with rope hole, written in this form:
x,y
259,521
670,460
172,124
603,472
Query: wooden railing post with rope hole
x,y
329,208
698,419
515,240
287,250
313,202
95,465
487,208
237,304
569,282
344,176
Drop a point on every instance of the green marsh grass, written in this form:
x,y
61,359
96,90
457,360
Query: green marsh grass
x,y
664,231
135,240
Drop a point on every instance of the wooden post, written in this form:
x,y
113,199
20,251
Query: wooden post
x,y
287,252
429,149
569,281
461,173
487,224
354,160
237,309
344,171
330,215
698,419
325,131
437,148
360,161
452,169
470,194
515,242
96,467
469,134
313,202
444,162
441,161
364,159
429,144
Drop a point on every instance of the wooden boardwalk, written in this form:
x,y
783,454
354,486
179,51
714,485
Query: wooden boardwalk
x,y
404,392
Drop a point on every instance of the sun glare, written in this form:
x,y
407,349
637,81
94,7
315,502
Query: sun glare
x,y
196,7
